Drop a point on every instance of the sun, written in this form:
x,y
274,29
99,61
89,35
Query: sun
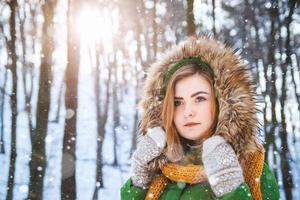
x,y
96,26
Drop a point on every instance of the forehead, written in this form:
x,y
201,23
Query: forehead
x,y
192,84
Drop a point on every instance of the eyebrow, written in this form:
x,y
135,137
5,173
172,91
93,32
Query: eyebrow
x,y
195,94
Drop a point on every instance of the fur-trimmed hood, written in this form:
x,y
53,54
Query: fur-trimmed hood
x,y
234,88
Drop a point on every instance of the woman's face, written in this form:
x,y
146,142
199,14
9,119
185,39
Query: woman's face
x,y
194,104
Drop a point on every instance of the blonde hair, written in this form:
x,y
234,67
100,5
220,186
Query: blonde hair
x,y
174,151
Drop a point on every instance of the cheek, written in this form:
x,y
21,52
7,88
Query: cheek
x,y
208,109
176,117
212,112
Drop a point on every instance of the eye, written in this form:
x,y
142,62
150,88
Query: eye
x,y
177,103
199,99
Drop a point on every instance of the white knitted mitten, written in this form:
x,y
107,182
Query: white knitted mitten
x,y
149,147
221,165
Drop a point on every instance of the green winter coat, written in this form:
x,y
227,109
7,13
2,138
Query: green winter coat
x,y
202,191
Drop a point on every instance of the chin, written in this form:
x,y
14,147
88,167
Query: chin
x,y
192,138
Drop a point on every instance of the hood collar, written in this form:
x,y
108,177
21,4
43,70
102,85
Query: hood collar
x,y
234,88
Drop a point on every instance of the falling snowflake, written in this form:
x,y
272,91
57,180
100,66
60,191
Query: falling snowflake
x,y
69,113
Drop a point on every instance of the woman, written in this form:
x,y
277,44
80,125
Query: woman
x,y
199,128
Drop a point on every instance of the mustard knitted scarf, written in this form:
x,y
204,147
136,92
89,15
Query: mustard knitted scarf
x,y
192,174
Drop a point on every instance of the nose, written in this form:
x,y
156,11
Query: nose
x,y
189,111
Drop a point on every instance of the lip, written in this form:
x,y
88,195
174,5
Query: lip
x,y
190,124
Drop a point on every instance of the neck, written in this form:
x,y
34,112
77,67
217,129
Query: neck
x,y
192,143
192,152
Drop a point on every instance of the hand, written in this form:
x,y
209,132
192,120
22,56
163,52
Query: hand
x,y
221,165
150,146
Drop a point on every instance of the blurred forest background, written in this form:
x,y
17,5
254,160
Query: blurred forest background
x,y
71,74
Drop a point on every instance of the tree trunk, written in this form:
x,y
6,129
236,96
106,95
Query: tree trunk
x,y
3,92
138,79
285,154
68,181
154,29
116,113
56,119
13,101
191,28
255,52
25,69
101,122
33,30
270,85
135,127
297,95
38,156
2,99
214,16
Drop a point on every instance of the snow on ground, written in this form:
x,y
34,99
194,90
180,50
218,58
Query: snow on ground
x,y
113,177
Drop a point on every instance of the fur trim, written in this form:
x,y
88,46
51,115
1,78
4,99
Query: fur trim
x,y
235,91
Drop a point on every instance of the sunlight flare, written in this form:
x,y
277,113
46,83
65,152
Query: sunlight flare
x,y
96,26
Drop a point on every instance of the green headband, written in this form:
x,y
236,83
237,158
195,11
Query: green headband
x,y
185,61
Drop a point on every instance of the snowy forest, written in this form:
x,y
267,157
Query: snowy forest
x,y
71,76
